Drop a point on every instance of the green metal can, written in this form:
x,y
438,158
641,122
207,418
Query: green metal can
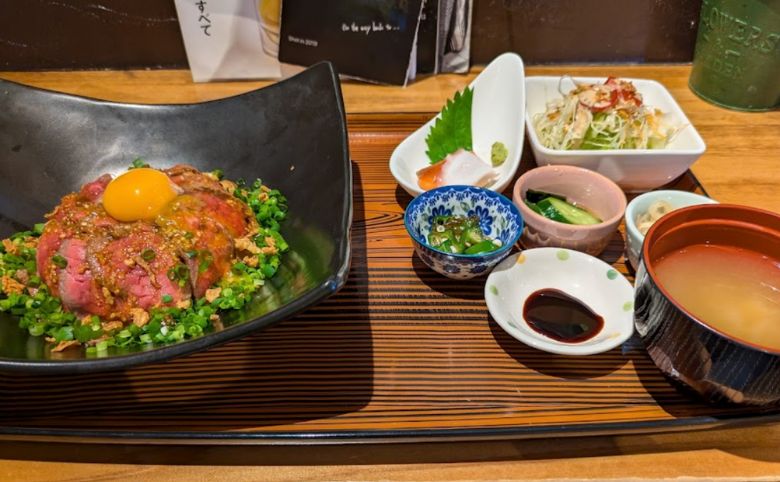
x,y
737,59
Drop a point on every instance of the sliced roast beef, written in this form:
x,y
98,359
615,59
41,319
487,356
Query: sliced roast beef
x,y
93,191
190,179
48,245
137,270
78,288
229,212
98,265
218,202
210,247
75,218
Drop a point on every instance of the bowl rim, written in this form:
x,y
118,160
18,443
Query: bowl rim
x,y
426,195
550,345
526,211
650,270
631,229
536,144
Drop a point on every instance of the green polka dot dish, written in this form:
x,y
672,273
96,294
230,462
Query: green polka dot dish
x,y
588,279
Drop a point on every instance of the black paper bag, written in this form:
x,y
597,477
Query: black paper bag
x,y
368,39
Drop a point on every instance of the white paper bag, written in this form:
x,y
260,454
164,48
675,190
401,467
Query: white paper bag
x,y
225,39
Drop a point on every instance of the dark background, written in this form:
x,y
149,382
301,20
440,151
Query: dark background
x,y
132,34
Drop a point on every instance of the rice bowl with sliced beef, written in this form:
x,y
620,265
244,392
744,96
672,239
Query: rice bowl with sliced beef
x,y
149,257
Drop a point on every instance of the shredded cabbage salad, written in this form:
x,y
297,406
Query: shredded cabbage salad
x,y
611,115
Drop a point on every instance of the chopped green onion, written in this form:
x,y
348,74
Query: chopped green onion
x,y
59,261
148,255
138,163
206,258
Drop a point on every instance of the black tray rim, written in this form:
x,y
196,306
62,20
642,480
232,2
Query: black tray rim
x,y
343,437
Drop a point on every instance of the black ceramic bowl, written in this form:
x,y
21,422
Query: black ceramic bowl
x,y
720,367
291,134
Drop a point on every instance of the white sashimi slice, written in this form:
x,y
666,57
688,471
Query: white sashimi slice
x,y
460,167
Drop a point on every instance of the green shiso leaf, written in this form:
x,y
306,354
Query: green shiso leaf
x,y
451,131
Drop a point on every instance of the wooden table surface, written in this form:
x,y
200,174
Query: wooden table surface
x,y
741,165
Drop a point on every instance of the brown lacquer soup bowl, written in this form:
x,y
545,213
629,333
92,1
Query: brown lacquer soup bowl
x,y
711,360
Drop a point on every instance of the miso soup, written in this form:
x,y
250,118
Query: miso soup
x,y
734,290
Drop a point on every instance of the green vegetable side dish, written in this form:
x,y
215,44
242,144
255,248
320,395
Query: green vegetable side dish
x,y
460,235
24,294
557,208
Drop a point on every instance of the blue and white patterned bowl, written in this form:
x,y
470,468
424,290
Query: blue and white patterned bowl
x,y
499,219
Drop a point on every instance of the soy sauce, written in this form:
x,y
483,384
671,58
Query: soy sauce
x,y
561,317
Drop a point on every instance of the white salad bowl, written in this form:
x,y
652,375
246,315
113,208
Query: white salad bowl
x,y
590,280
497,114
641,203
634,170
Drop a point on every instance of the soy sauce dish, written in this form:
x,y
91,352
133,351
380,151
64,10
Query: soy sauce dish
x,y
561,301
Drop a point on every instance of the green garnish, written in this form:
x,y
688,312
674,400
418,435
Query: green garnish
x,y
498,153
166,298
179,273
59,261
148,255
452,130
206,258
459,235
218,173
138,164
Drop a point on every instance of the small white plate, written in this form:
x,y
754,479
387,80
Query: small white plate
x,y
588,279
497,114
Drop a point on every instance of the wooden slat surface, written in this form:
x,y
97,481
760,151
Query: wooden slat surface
x,y
399,349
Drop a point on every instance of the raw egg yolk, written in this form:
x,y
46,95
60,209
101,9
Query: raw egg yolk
x,y
138,194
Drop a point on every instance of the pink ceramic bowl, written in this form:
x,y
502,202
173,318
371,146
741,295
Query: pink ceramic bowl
x,y
586,188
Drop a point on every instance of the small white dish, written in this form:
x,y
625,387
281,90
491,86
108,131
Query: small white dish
x,y
497,114
640,204
634,170
588,279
